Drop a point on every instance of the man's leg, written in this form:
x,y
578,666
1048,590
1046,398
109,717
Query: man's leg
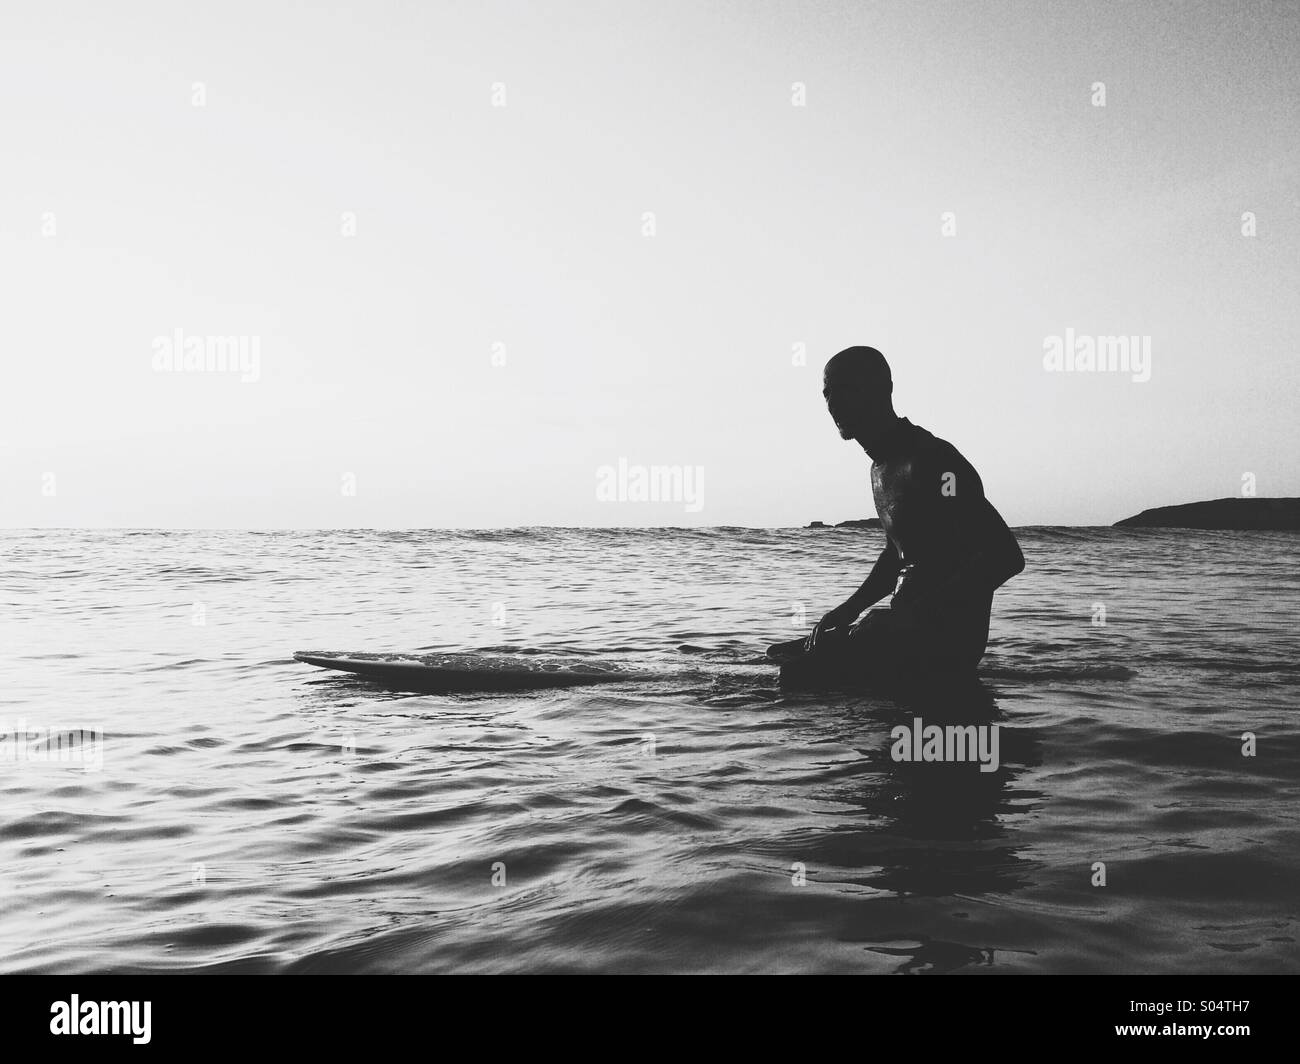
x,y
879,649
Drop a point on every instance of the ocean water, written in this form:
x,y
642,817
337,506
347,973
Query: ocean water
x,y
249,813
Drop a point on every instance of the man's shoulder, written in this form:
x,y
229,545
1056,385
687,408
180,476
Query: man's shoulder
x,y
934,456
927,443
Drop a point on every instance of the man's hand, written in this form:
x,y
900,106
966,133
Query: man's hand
x,y
840,617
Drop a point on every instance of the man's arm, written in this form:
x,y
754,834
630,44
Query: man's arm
x,y
972,551
994,558
879,583
999,557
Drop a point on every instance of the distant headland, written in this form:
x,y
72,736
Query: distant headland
x,y
1244,515
1253,515
866,522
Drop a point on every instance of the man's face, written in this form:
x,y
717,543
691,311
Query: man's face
x,y
851,404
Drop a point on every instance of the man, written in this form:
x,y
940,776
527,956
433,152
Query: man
x,y
948,544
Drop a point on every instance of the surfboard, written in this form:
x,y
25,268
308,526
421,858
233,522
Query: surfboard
x,y
461,672
786,651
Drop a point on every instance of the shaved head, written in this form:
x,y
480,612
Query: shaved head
x,y
863,366
859,390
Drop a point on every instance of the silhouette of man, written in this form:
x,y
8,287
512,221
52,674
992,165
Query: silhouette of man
x,y
946,548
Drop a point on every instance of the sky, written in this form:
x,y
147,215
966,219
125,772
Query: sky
x,y
494,264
